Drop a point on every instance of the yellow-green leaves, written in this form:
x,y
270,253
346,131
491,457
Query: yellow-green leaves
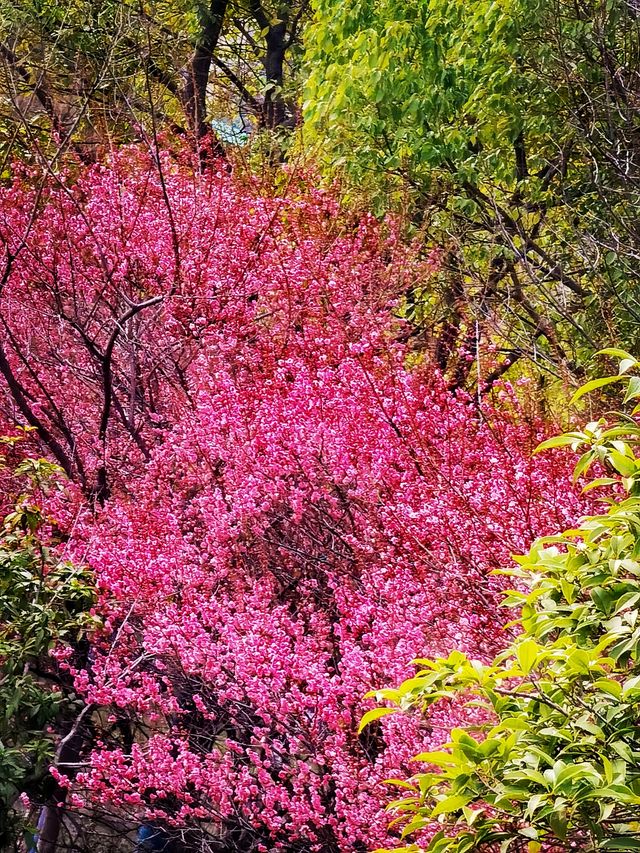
x,y
573,439
527,654
626,363
611,447
594,385
450,804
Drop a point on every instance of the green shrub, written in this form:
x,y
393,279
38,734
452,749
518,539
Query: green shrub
x,y
44,603
557,762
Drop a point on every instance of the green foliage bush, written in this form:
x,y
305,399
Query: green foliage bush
x,y
44,603
557,762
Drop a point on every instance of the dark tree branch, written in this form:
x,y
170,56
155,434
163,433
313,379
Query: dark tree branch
x,y
295,23
259,15
522,170
20,399
274,108
245,32
39,90
101,489
237,82
108,356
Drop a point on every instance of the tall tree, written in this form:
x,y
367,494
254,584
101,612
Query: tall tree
x,y
512,128
211,20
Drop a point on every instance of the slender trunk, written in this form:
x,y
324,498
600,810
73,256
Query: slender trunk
x,y
52,814
194,94
274,109
277,41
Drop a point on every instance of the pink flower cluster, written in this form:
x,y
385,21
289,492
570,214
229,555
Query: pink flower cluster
x,y
298,505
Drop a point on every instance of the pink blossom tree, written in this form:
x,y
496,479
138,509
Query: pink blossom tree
x,y
282,504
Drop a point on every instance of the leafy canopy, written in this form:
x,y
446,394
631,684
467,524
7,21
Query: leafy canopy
x,y
507,129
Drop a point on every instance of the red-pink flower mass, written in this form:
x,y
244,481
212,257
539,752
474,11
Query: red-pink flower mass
x,y
282,501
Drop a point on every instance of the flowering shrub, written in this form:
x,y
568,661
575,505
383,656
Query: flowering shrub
x,y
293,508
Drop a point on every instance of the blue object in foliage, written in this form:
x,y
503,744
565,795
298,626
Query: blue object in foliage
x,y
152,839
234,132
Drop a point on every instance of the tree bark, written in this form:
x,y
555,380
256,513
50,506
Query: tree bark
x,y
274,109
194,94
52,814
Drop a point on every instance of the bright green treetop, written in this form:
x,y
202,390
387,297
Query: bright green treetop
x,y
509,128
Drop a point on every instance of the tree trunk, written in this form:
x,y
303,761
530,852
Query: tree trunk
x,y
194,94
52,814
274,109
277,41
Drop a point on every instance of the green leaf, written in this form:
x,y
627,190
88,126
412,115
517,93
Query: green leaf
x,y
633,389
626,364
450,804
527,653
622,749
599,482
593,385
558,823
374,714
623,464
439,758
608,769
559,441
603,599
400,783
608,685
533,776
583,464
616,353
